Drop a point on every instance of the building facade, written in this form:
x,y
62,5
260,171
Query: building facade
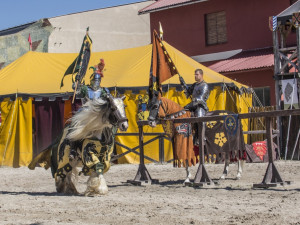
x,y
110,28
14,41
230,37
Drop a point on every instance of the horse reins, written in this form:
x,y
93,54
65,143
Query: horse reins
x,y
168,116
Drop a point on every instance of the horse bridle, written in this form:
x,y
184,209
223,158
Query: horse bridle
x,y
168,116
118,116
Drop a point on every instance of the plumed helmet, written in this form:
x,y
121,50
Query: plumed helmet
x,y
100,67
95,81
97,75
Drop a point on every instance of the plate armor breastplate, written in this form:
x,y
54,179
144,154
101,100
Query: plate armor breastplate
x,y
94,94
200,95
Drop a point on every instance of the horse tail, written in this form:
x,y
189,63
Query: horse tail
x,y
43,159
54,150
48,157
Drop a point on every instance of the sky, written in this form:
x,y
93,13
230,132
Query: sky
x,y
17,12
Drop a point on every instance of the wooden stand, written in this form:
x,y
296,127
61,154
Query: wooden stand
x,y
142,177
272,177
202,178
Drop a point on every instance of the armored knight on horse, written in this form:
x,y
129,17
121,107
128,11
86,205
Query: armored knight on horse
x,y
88,139
163,68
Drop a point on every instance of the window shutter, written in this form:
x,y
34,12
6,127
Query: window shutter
x,y
221,27
211,24
216,31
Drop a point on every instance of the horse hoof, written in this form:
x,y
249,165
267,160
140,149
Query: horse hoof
x,y
71,192
103,191
222,177
90,194
186,181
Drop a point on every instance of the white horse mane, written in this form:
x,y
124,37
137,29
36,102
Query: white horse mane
x,y
90,120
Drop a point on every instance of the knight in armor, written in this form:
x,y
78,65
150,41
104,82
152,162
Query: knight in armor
x,y
94,90
91,92
199,91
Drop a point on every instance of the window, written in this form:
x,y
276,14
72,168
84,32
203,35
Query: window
x,y
263,96
215,25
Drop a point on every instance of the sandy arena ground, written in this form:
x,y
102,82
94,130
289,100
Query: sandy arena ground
x,y
29,197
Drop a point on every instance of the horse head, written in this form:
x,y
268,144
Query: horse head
x,y
153,106
161,107
118,114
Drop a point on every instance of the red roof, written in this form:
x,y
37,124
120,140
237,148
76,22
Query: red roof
x,y
165,4
246,60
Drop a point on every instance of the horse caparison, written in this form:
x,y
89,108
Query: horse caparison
x,y
181,133
88,141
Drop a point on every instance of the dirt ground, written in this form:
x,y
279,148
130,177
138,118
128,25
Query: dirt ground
x,y
29,197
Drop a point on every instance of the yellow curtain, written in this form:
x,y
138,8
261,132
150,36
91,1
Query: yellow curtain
x,y
218,100
150,150
16,133
16,128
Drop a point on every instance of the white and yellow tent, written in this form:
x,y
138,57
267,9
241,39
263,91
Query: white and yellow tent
x,y
39,75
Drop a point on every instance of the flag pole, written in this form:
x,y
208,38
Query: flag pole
x,y
76,84
29,42
167,55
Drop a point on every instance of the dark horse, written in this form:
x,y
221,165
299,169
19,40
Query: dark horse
x,y
87,141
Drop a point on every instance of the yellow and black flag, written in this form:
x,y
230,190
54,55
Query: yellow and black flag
x,y
162,67
80,64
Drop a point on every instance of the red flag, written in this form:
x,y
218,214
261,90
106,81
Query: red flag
x,y
162,67
30,42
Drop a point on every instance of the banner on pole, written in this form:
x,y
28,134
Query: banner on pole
x,y
290,94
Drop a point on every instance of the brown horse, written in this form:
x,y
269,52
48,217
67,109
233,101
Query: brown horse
x,y
183,149
181,133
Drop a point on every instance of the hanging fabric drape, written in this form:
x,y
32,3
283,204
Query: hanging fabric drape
x,y
16,133
49,122
214,102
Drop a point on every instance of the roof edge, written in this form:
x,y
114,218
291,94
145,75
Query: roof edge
x,y
216,56
247,70
107,7
15,29
141,12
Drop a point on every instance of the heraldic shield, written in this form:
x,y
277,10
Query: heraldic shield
x,y
224,136
142,112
